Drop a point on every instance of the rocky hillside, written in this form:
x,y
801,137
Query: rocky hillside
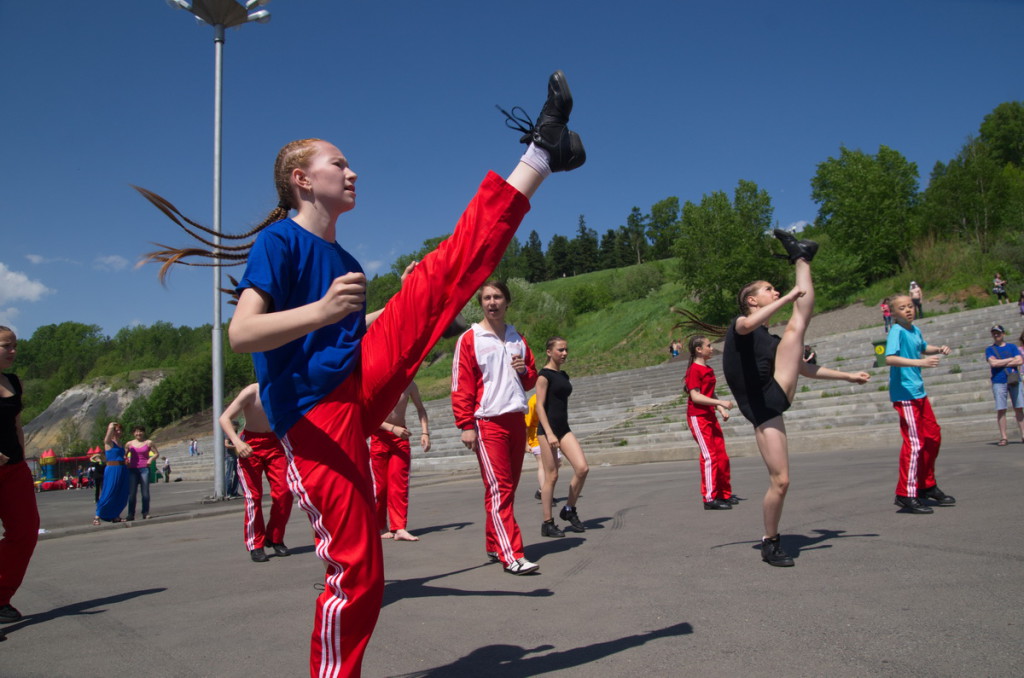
x,y
82,404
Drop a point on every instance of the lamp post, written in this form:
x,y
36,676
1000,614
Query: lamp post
x,y
220,14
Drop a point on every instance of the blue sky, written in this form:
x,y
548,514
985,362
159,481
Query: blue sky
x,y
672,99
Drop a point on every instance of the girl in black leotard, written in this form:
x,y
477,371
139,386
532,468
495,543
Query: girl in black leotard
x,y
553,389
762,370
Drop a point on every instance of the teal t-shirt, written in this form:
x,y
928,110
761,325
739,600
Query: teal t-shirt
x,y
905,383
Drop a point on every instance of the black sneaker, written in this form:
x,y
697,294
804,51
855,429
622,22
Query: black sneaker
x,y
550,530
772,553
492,557
717,505
9,614
937,495
733,500
569,515
912,505
536,495
550,133
258,555
795,249
280,550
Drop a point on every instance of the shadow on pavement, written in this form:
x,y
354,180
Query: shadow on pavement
x,y
508,661
82,608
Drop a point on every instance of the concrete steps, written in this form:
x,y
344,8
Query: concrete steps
x,y
638,415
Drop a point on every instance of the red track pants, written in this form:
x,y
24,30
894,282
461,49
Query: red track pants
x,y
390,456
267,457
20,519
715,475
500,453
921,439
330,461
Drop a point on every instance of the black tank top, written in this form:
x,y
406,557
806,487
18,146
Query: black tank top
x,y
748,360
10,446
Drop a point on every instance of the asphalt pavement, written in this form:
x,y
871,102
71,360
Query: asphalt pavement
x,y
656,586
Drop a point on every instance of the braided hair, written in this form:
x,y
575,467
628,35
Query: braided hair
x,y
295,154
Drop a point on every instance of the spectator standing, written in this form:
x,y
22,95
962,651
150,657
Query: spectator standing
x,y
886,315
917,297
999,289
1005,360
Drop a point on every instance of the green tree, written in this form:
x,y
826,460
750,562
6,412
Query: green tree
x,y
866,205
429,245
558,260
608,254
723,246
663,227
513,263
635,232
533,259
583,250
1002,131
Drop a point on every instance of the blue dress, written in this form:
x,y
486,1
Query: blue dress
x,y
114,497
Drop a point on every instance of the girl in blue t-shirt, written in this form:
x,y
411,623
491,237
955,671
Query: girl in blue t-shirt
x,y
327,380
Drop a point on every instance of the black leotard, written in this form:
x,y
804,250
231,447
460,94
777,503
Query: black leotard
x,y
556,403
748,361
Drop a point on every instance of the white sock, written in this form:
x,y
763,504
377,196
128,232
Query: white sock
x,y
538,159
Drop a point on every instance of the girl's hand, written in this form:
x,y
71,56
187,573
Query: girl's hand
x,y
930,361
858,377
244,450
518,364
794,293
724,413
552,441
4,459
346,295
944,350
727,405
401,431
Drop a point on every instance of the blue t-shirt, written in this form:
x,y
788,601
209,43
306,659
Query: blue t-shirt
x,y
295,268
1003,352
905,383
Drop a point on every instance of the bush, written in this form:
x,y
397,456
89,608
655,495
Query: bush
x,y
587,298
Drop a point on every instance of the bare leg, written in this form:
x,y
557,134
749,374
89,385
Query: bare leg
x,y
525,179
540,471
1019,412
790,353
772,443
1001,420
574,453
547,490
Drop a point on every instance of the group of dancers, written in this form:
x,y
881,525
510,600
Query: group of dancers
x,y
327,380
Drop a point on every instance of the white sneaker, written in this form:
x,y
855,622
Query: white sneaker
x,y
522,566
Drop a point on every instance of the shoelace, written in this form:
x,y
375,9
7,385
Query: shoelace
x,y
517,118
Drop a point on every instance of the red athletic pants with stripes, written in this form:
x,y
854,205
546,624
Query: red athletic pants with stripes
x,y
20,519
267,457
390,456
330,461
715,475
921,439
500,444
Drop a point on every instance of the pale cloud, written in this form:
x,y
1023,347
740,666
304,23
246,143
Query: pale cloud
x,y
373,267
798,225
37,259
7,316
110,262
16,286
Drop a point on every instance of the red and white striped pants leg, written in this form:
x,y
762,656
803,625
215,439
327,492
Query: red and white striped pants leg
x,y
501,442
250,475
329,473
281,499
921,439
715,476
391,457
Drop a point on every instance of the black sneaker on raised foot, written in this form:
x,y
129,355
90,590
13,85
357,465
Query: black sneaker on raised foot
x,y
938,496
772,553
258,555
550,530
550,133
569,515
9,614
717,505
280,550
522,566
492,557
912,505
795,249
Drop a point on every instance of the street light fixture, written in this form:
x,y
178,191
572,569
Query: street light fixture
x,y
220,14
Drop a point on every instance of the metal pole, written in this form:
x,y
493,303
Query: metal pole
x,y
216,336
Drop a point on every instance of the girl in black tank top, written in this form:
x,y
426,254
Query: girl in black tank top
x,y
553,389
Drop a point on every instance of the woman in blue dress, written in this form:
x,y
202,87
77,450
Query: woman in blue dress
x,y
114,497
